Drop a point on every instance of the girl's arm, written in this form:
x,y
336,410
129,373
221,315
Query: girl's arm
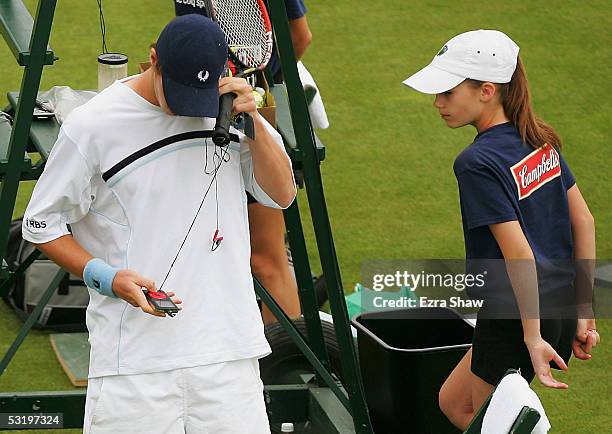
x,y
583,232
520,264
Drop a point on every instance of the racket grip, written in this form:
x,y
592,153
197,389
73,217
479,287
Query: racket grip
x,y
221,136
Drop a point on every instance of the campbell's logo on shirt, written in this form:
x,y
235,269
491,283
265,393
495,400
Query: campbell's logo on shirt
x,y
535,170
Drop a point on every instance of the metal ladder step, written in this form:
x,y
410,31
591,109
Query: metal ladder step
x,y
16,25
43,132
5,136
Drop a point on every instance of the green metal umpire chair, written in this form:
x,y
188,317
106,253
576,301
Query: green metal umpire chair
x,y
324,401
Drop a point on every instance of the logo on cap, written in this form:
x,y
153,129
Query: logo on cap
x,y
203,76
442,51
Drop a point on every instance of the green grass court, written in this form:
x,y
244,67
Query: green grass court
x,y
388,173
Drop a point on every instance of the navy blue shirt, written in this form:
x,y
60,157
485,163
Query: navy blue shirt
x,y
502,179
295,9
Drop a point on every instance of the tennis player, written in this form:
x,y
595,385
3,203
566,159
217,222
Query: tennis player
x,y
520,204
267,225
153,205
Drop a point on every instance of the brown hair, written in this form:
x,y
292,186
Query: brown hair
x,y
516,101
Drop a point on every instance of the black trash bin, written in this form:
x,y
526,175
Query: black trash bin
x,y
405,356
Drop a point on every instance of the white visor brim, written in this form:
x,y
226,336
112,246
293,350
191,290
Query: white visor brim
x,y
432,80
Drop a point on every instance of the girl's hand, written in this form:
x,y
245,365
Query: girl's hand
x,y
542,354
586,339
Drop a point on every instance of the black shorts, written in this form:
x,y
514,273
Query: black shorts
x,y
498,345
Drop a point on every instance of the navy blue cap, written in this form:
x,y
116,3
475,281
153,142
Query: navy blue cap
x,y
192,52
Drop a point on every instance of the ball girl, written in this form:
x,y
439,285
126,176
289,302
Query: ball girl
x,y
519,204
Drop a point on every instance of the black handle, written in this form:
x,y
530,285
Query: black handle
x,y
221,136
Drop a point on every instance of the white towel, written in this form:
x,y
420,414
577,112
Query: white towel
x,y
64,99
318,116
510,396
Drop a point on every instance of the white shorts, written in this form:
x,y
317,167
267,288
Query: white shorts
x,y
222,398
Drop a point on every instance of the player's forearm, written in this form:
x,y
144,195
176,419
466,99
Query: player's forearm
x,y
66,253
271,166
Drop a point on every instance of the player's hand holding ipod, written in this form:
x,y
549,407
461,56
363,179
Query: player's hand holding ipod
x,y
244,101
128,285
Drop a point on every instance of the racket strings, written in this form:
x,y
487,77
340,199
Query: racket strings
x,y
245,30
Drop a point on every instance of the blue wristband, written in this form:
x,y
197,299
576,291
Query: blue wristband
x,y
99,275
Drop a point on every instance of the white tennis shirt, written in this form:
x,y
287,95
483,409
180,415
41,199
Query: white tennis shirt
x,y
128,179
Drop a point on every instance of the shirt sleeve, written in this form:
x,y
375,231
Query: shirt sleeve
x,y
295,9
62,194
566,174
246,166
483,198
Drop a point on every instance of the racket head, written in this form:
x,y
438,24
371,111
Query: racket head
x,y
248,31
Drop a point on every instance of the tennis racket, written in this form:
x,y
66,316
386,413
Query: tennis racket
x,y
248,33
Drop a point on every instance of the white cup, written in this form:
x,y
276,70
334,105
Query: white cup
x,y
111,67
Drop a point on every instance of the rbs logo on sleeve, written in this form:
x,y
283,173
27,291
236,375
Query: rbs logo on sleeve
x,y
535,170
35,224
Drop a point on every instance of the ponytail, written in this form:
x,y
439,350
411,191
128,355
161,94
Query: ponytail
x,y
516,101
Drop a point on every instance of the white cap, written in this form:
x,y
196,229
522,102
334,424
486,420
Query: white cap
x,y
287,427
484,55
